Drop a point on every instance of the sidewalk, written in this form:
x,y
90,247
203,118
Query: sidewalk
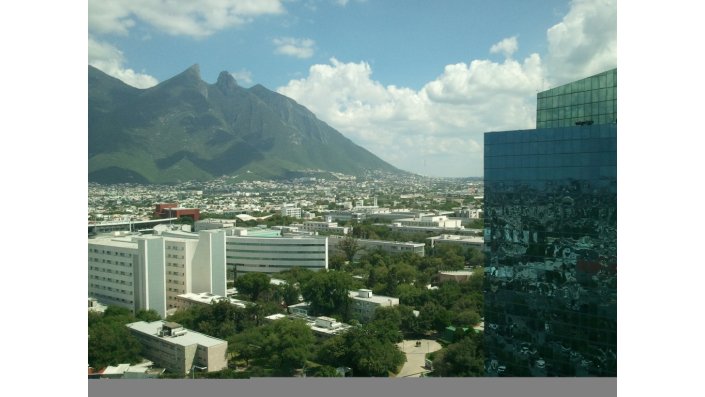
x,y
416,356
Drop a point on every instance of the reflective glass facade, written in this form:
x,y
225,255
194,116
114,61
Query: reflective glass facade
x,y
551,249
592,100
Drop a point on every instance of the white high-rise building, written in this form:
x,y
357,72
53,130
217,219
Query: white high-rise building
x,y
149,272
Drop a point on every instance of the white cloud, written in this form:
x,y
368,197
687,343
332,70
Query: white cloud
x,y
436,130
299,48
111,61
343,3
189,18
584,42
243,76
507,46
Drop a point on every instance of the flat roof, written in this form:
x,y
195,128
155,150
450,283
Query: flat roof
x,y
117,370
456,272
112,242
187,339
208,298
381,299
455,237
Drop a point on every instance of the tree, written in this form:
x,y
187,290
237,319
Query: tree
x,y
327,292
148,315
467,318
433,316
337,261
349,246
283,345
252,284
109,340
364,349
463,358
290,294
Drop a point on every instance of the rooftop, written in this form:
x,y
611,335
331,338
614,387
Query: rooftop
x,y
208,298
186,339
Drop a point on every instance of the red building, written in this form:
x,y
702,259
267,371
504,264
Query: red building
x,y
172,210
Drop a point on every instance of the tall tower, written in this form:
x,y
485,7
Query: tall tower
x,y
551,236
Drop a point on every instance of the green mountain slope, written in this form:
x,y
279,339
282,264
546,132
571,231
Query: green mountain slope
x,y
185,129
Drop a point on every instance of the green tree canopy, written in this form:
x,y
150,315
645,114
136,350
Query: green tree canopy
x,y
327,292
109,340
364,349
463,359
252,285
284,345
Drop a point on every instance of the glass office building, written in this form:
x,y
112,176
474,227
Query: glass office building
x,y
551,241
592,100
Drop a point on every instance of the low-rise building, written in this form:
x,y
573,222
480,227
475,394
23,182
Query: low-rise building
x,y
95,306
391,247
323,227
190,299
321,326
142,370
454,275
247,254
291,211
365,303
178,349
463,241
210,223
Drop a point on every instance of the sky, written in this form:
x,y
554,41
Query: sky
x,y
415,82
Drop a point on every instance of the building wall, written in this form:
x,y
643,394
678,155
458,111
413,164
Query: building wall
x,y
111,270
152,274
179,268
392,247
276,254
364,310
213,357
179,358
551,243
151,271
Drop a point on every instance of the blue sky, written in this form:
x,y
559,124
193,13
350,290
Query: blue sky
x,y
415,82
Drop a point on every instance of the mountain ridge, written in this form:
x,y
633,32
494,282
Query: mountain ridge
x,y
186,129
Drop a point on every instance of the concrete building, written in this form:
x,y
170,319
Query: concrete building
x,y
365,303
142,370
112,265
95,306
172,210
246,254
321,326
291,211
463,241
210,224
178,349
454,275
184,301
323,227
440,221
149,272
366,246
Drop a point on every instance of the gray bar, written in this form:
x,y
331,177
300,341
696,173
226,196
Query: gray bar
x,y
276,387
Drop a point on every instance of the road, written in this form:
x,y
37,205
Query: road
x,y
416,356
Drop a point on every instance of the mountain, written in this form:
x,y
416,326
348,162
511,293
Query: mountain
x,y
185,129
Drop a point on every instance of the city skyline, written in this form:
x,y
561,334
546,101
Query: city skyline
x,y
398,82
